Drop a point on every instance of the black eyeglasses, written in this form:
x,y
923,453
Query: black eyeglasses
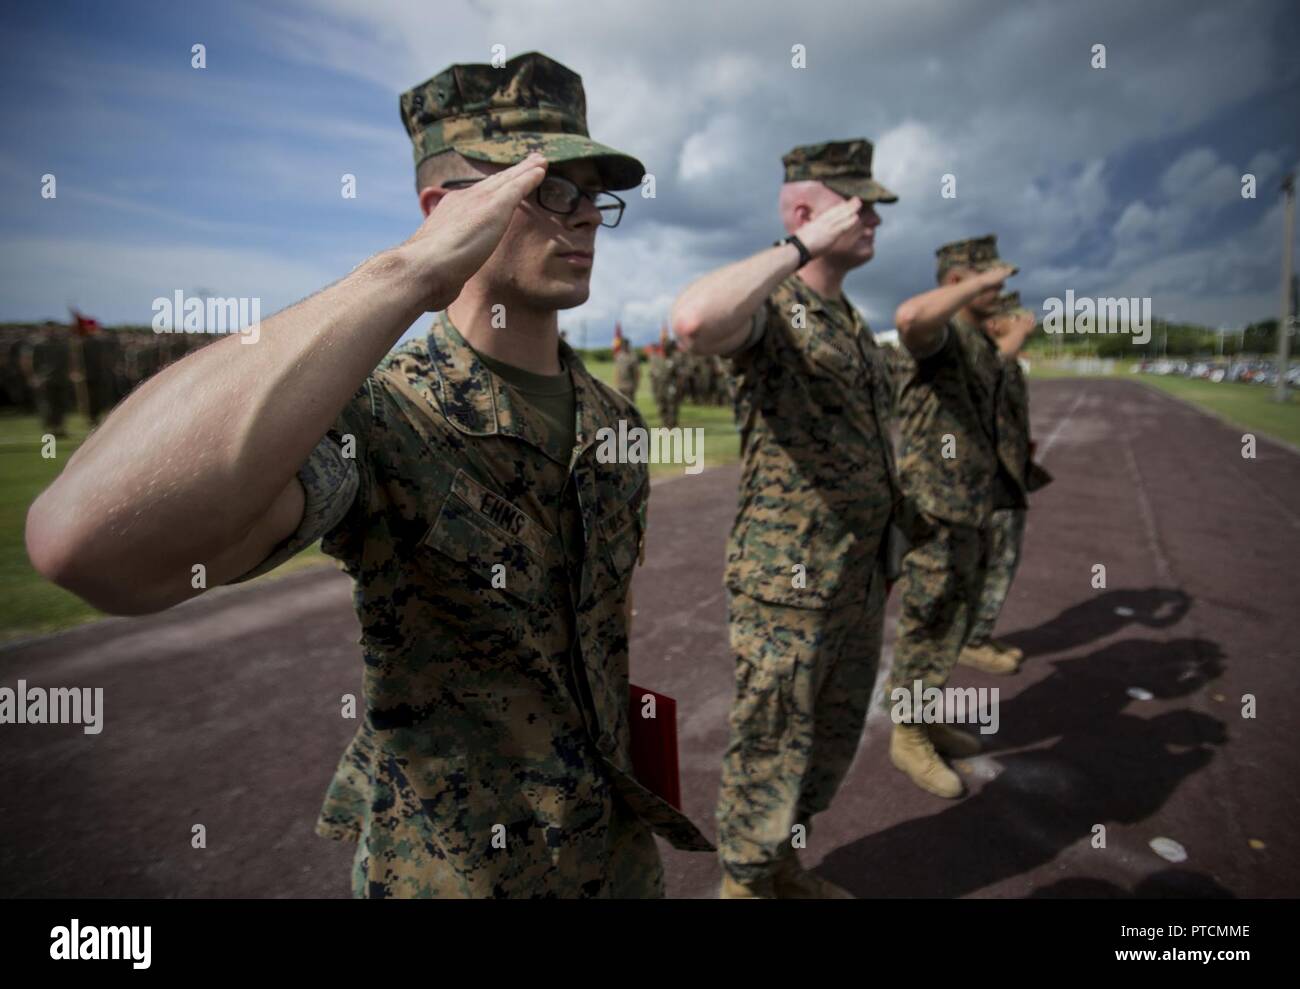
x,y
559,195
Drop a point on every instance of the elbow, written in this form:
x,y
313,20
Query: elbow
x,y
66,561
686,326
51,553
904,317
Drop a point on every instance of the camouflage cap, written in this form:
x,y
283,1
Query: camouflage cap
x,y
532,103
978,253
1008,304
844,166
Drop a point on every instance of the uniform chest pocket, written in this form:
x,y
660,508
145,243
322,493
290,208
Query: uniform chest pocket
x,y
621,534
837,358
501,549
619,527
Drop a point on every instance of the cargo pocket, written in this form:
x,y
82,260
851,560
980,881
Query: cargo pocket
x,y
762,708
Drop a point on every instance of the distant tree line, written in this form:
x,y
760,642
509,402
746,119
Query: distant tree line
x,y
1172,339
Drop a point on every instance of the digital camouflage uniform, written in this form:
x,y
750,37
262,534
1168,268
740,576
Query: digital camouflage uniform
x,y
491,582
99,353
49,353
665,366
954,465
1006,525
627,372
496,687
806,589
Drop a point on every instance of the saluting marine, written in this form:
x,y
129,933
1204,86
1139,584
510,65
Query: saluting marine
x,y
957,472
818,490
1009,326
456,479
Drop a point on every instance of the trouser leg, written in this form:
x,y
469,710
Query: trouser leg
x,y
779,653
941,581
1006,533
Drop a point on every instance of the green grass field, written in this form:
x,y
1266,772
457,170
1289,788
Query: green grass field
x,y
721,441
30,605
1248,406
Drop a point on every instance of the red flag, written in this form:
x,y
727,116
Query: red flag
x,y
85,325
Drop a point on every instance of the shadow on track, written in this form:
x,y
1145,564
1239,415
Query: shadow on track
x,y
1099,759
1102,615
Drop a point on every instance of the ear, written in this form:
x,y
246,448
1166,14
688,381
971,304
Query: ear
x,y
431,196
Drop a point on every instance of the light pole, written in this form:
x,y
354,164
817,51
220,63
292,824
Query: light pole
x,y
1284,324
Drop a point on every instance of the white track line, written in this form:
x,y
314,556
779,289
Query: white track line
x,y
1055,434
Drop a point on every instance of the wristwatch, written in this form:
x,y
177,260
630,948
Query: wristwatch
x,y
804,255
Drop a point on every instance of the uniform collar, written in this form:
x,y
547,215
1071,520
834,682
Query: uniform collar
x,y
820,303
477,402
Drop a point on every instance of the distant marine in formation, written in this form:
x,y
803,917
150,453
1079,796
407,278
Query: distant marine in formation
x,y
54,369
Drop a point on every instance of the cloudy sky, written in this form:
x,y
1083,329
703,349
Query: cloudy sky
x,y
1107,181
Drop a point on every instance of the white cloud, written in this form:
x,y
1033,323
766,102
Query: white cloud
x,y
117,282
1000,94
1264,165
910,159
713,152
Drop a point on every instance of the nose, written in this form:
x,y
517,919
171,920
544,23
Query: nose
x,y
869,216
586,214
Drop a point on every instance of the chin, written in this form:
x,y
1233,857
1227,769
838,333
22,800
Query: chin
x,y
553,290
567,297
857,257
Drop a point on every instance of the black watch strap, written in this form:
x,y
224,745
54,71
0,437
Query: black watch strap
x,y
804,255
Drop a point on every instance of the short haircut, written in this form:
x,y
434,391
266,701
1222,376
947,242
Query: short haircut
x,y
803,192
442,167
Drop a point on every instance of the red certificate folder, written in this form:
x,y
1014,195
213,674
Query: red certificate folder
x,y
654,744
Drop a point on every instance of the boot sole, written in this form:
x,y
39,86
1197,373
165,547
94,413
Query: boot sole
x,y
920,784
998,672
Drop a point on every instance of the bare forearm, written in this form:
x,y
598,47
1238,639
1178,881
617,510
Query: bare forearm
x,y
196,456
712,316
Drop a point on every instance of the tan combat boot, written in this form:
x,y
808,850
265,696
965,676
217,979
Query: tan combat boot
x,y
793,882
732,889
954,742
911,751
988,658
